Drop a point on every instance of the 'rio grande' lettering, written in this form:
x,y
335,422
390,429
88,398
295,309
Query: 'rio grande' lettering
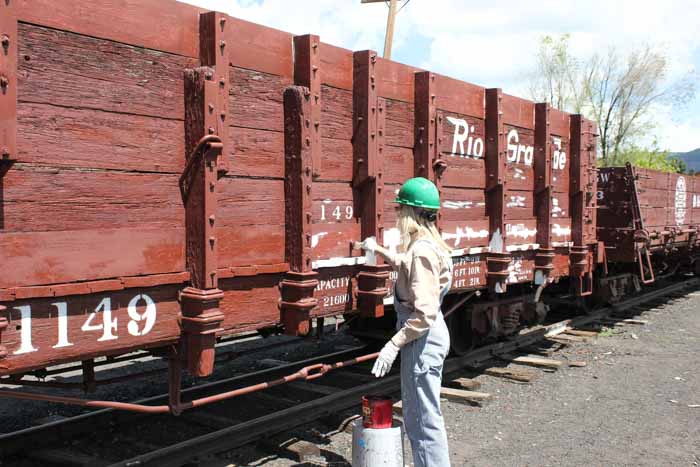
x,y
465,133
519,152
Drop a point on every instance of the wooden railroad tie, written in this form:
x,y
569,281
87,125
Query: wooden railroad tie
x,y
462,396
512,374
534,361
580,333
463,383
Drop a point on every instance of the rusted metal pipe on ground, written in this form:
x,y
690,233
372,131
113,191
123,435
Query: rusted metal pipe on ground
x,y
308,373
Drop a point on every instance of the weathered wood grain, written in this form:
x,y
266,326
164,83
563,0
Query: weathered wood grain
x,y
256,99
518,112
398,164
336,113
243,202
336,66
252,244
243,294
255,153
399,124
395,80
50,199
256,47
72,70
336,160
167,26
73,255
67,137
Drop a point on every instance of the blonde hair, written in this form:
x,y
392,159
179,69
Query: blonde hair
x,y
412,226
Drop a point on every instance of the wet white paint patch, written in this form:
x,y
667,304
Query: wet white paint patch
x,y
470,251
464,233
462,204
516,202
520,231
317,238
560,231
335,262
556,210
562,244
523,247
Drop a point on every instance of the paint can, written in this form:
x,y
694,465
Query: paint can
x,y
376,411
373,447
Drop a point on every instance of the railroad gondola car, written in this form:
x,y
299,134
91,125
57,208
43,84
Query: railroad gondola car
x,y
648,221
172,175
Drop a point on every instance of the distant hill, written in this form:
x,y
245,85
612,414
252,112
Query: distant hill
x,y
691,159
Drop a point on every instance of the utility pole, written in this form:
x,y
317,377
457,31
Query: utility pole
x,y
388,39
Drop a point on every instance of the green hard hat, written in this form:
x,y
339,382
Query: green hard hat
x,y
419,192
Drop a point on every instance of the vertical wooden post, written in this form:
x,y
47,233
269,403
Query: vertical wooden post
x,y
427,162
498,259
206,111
307,73
8,80
8,104
298,287
543,193
302,146
583,188
368,179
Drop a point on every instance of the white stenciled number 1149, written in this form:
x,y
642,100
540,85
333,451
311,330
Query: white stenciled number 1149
x,y
139,324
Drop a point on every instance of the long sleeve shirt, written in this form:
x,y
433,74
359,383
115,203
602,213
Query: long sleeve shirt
x,y
421,275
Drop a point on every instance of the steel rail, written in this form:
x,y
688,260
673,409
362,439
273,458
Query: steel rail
x,y
64,429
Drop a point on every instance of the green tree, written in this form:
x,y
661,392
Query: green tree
x,y
618,93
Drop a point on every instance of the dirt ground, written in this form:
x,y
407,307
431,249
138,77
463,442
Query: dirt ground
x,y
633,404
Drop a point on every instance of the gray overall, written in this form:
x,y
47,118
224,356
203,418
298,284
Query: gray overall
x,y
421,379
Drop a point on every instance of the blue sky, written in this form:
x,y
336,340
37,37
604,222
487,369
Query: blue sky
x,y
493,44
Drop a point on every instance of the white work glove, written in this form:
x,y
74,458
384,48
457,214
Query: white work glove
x,y
385,360
369,244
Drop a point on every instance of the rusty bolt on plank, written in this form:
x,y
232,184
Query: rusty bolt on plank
x,y
4,82
222,22
5,41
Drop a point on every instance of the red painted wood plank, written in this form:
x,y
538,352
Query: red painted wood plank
x,y
395,80
57,257
243,294
559,123
71,70
41,199
459,97
518,112
155,24
256,99
67,137
260,48
336,64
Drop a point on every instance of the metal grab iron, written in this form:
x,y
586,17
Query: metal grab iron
x,y
207,143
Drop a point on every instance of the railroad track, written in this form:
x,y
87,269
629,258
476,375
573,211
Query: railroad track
x,y
101,437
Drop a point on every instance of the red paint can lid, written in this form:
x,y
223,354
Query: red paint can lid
x,y
377,411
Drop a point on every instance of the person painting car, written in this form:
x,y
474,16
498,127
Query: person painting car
x,y
424,267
